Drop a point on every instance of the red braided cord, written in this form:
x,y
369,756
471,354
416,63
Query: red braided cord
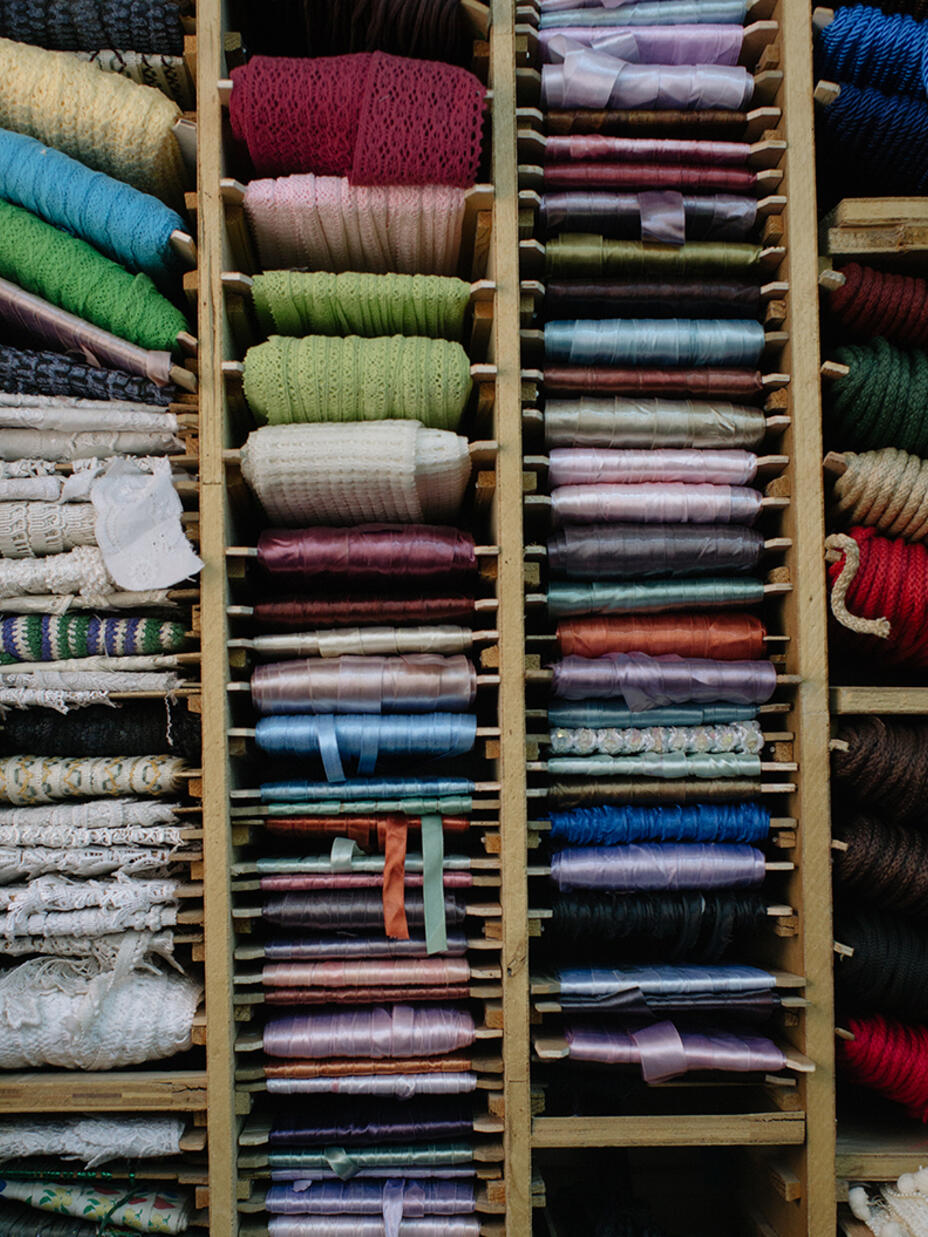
x,y
892,583
871,303
891,1058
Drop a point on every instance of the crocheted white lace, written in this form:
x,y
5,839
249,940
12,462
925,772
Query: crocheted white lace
x,y
139,530
97,665
29,862
90,923
79,571
103,949
60,413
357,472
40,698
26,468
92,1140
79,1015
95,814
55,893
72,837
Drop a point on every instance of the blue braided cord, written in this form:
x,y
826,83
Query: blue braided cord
x,y
867,47
880,140
701,822
130,227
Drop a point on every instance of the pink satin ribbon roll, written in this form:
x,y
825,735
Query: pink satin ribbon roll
x,y
387,972
599,466
387,1031
664,1052
409,683
669,503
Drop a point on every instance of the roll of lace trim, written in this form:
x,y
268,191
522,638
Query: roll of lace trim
x,y
92,1140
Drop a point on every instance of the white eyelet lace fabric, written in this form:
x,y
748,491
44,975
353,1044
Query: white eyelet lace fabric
x,y
79,1015
91,1140
62,414
26,780
357,472
619,741
28,862
139,530
98,814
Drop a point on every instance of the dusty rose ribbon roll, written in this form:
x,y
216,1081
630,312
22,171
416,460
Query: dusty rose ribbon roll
x,y
599,466
412,683
664,1052
399,972
721,637
591,146
391,1031
647,866
668,503
372,552
654,682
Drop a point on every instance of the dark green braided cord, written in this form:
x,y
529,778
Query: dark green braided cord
x,y
883,401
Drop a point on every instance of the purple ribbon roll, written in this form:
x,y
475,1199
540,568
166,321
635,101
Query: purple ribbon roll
x,y
664,1052
387,1031
570,466
631,551
410,683
355,910
370,1198
653,44
658,866
655,682
670,503
369,552
356,1226
309,1175
641,990
595,79
662,216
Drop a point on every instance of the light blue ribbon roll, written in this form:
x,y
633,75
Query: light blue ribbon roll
x,y
654,13
357,788
655,341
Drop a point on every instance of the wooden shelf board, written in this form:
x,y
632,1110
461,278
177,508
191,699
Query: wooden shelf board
x,y
880,1153
148,1091
707,1130
879,700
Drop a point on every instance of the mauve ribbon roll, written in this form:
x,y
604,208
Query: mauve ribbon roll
x,y
398,1086
575,254
590,78
349,609
669,217
366,788
706,44
391,1031
721,637
361,1198
577,792
410,683
336,1122
693,298
599,466
628,176
297,880
664,503
654,682
369,553
354,1226
710,382
642,990
645,12
329,948
652,596
664,1052
657,341
664,151
593,714
351,911
388,972
365,1065
658,866
377,641
589,552
370,832
647,424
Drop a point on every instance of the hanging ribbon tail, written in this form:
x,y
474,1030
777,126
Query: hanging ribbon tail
x,y
661,1051
340,1162
847,546
663,218
367,756
328,749
433,885
393,1206
394,880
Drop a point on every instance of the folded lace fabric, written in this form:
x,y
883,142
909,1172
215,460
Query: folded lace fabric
x,y
92,1140
321,303
326,224
55,373
318,378
357,473
375,118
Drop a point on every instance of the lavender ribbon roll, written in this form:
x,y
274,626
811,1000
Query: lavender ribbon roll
x,y
410,683
643,990
655,867
665,503
664,1052
573,13
386,1031
633,551
355,1226
706,44
622,422
568,466
404,1198
655,341
589,78
655,682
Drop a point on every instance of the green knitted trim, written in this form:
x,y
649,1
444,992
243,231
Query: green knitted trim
x,y
320,303
324,379
72,275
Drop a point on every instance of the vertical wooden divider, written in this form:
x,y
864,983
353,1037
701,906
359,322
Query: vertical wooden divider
x,y
222,1123
513,807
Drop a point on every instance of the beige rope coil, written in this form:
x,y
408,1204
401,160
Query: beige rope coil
x,y
886,489
863,627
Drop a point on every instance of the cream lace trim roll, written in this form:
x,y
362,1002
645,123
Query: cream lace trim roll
x,y
90,923
54,603
66,415
357,472
41,698
55,893
97,814
90,444
72,837
29,862
44,779
29,530
92,1140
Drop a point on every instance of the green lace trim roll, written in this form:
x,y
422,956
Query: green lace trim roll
x,y
320,303
319,378
72,275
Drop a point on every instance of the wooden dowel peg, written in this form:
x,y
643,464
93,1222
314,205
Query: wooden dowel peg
x,y
183,244
835,464
838,844
822,18
843,951
825,93
843,1033
832,370
831,280
183,377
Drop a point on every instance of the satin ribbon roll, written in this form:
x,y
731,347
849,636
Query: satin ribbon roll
x,y
667,866
334,806
594,79
374,553
646,12
707,382
658,766
652,596
599,713
354,1226
367,641
412,683
652,298
597,466
417,1159
335,738
355,608
664,215
348,911
644,990
647,424
658,341
588,552
389,972
696,44
371,832
664,1052
721,637
601,180
337,1122
655,682
700,822
392,1031
363,788
580,792
325,1198
666,503
572,255
397,1086
330,948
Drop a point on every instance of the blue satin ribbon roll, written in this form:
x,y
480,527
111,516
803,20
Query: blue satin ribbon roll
x,y
655,341
596,714
367,788
699,822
